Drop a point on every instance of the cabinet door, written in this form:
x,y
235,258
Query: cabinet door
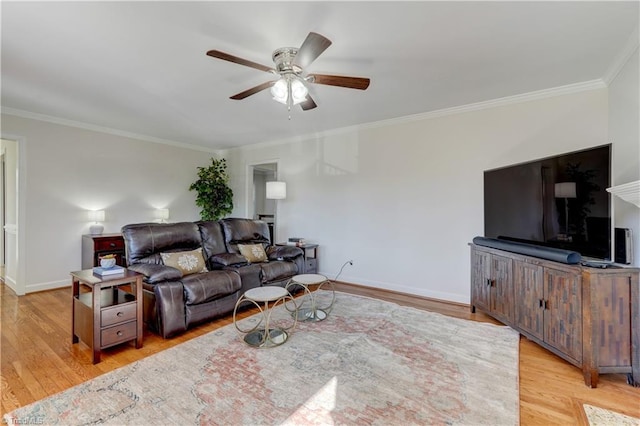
x,y
480,279
501,289
529,296
563,313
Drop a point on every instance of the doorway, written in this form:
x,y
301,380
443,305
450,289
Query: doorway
x,y
9,213
260,207
3,179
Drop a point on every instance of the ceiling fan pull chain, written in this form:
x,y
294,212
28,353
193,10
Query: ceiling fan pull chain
x,y
289,100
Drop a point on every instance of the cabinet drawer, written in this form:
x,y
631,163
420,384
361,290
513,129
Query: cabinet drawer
x,y
117,314
115,243
118,334
311,266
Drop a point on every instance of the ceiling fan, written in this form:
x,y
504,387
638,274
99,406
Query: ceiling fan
x,y
290,64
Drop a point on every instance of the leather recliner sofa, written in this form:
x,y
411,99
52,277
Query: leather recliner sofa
x,y
175,299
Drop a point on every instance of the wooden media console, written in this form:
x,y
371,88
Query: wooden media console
x,y
588,316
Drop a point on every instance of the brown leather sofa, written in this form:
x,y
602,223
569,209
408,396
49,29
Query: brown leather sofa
x,y
174,300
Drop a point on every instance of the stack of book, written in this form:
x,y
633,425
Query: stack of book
x,y
298,242
114,270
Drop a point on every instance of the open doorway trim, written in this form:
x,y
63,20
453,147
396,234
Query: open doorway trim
x,y
249,190
21,202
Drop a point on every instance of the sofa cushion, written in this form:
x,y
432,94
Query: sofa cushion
x,y
244,231
212,238
200,288
254,253
187,262
145,241
279,270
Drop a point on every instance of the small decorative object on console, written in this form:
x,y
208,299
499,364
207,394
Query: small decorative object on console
x,y
296,241
108,261
113,270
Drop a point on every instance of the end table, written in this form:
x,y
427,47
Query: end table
x,y
110,313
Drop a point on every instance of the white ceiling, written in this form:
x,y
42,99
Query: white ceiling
x,y
141,67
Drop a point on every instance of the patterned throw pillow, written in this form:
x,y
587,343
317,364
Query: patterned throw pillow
x,y
187,262
254,253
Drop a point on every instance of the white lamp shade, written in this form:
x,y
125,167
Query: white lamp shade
x,y
565,190
162,214
276,190
96,215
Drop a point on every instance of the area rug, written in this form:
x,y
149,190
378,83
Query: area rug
x,y
600,417
370,362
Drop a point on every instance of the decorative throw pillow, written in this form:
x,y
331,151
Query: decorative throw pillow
x,y
187,262
254,253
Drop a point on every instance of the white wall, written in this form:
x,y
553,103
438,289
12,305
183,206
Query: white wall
x,y
404,200
71,170
624,119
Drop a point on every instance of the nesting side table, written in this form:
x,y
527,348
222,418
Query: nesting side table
x,y
309,308
109,313
268,336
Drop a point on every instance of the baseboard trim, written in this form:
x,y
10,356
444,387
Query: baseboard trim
x,y
360,288
52,285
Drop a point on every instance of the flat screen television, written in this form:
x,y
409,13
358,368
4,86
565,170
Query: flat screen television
x,y
559,201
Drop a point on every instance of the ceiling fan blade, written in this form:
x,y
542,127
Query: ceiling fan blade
x,y
340,81
226,57
311,48
308,104
252,91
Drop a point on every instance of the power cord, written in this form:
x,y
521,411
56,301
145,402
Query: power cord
x,y
348,262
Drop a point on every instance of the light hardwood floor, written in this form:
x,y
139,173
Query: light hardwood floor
x,y
39,360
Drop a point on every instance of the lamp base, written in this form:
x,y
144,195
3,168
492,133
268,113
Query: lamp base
x,y
96,229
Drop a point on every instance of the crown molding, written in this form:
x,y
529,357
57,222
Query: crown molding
x,y
623,56
95,128
494,103
478,106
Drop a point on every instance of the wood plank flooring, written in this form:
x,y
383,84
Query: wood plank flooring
x,y
38,359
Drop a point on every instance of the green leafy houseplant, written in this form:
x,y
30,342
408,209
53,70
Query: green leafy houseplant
x,y
214,198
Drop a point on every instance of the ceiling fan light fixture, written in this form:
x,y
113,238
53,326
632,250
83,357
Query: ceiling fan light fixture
x,y
280,91
289,89
299,91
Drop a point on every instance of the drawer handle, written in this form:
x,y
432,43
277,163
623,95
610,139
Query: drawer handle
x,y
112,244
119,314
119,333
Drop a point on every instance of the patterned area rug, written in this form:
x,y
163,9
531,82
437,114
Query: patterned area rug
x,y
600,417
370,362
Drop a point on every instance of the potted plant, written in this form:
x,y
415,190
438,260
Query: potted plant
x,y
214,197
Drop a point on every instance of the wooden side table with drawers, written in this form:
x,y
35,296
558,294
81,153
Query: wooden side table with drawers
x,y
106,310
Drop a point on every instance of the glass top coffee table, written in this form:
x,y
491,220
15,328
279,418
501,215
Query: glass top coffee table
x,y
270,335
311,308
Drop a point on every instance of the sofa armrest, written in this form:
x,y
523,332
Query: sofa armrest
x,y
170,305
156,273
218,261
283,252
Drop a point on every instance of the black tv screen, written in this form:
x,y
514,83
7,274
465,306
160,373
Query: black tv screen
x,y
558,202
